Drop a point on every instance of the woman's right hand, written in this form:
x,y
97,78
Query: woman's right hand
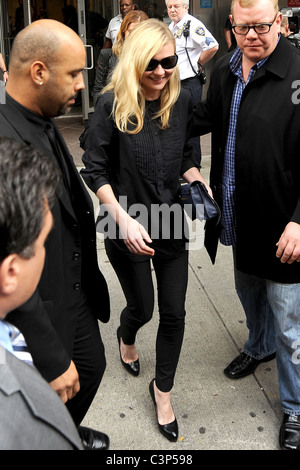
x,y
135,236
132,232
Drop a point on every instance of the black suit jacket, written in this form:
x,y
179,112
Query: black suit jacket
x,y
48,319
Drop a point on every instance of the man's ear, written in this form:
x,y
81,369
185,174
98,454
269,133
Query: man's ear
x,y
39,73
9,274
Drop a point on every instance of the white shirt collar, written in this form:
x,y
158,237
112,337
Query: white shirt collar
x,y
181,22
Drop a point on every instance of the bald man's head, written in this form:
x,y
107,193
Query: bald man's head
x,y
41,41
47,60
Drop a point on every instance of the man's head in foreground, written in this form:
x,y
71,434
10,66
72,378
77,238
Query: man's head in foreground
x,y
28,181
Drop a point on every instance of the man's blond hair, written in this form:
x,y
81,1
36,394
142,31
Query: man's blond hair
x,y
251,3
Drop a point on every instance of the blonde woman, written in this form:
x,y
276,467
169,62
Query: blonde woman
x,y
109,57
136,154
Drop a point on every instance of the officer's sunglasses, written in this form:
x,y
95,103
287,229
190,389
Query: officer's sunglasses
x,y
166,63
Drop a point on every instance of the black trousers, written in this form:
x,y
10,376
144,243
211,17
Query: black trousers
x,y
137,284
89,358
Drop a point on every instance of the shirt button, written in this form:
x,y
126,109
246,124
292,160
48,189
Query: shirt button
x,y
76,256
77,286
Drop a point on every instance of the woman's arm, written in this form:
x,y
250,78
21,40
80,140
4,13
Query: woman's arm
x,y
193,174
188,171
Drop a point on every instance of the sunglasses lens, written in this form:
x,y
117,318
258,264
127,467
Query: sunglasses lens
x,y
152,65
169,62
166,63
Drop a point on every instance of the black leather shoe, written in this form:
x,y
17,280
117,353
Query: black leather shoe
x,y
170,430
244,365
93,440
289,435
132,367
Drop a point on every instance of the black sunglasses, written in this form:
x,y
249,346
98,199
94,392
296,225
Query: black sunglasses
x,y
166,63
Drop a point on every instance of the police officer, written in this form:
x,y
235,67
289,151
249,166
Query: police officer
x,y
195,46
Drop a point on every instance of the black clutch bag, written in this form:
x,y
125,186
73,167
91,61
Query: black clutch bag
x,y
197,202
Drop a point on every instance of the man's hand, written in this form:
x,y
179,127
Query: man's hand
x,y
289,244
67,385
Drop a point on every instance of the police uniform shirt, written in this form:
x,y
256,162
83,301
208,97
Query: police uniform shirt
x,y
199,39
113,28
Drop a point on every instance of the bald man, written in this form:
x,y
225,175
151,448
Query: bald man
x,y
59,322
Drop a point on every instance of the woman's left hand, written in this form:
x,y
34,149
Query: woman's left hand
x,y
193,174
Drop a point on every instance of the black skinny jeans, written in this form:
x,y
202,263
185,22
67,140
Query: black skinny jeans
x,y
137,285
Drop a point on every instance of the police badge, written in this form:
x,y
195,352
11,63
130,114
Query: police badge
x,y
200,31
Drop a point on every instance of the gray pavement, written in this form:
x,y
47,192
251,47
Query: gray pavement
x,y
213,412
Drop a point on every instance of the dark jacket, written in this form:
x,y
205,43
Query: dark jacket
x,y
267,163
48,319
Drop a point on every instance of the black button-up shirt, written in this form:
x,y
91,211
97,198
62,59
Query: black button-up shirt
x,y
142,168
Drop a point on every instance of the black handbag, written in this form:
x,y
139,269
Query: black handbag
x,y
197,202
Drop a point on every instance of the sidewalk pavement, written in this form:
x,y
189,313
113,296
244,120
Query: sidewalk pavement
x,y
213,412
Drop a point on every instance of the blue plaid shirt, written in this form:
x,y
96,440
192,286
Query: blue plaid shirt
x,y
228,233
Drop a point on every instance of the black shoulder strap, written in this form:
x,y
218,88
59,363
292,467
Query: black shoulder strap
x,y
186,33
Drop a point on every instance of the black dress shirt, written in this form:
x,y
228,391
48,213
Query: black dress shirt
x,y
144,168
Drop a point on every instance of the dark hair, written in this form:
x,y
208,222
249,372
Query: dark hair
x,y
28,179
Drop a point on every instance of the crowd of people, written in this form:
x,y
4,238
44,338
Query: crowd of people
x,y
148,115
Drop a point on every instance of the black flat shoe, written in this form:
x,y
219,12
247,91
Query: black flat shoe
x,y
289,436
170,430
244,365
132,367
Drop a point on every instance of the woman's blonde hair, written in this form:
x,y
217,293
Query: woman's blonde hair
x,y
144,42
135,16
